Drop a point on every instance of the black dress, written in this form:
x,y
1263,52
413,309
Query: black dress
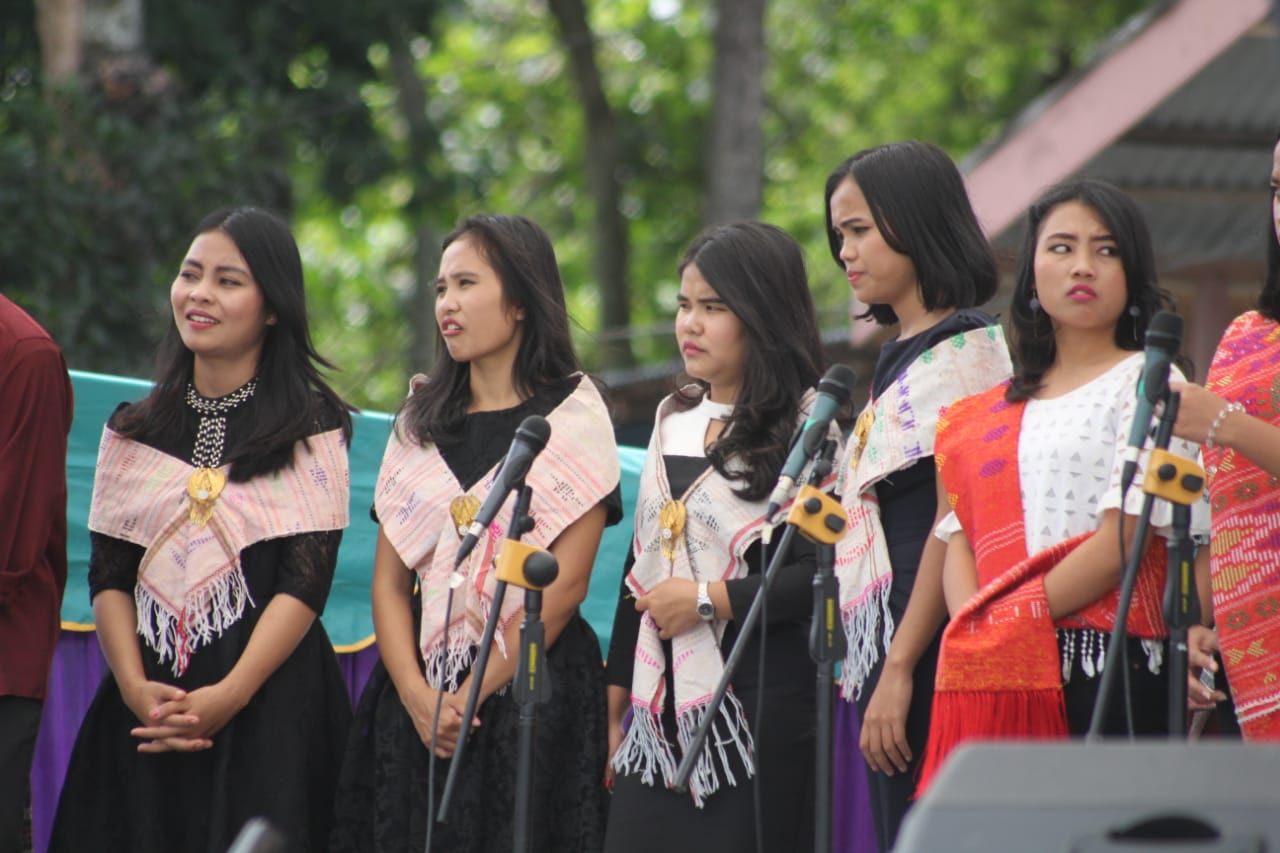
x,y
384,793
780,704
908,505
278,757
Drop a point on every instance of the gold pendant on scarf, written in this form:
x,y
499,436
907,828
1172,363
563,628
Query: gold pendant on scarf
x,y
463,508
203,487
671,517
861,432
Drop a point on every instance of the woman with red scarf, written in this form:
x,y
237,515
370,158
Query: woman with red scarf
x,y
1032,471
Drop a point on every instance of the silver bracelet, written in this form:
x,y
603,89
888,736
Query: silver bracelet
x,y
1217,422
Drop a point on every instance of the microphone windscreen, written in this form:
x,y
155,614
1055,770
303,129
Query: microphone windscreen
x,y
1165,331
536,430
838,382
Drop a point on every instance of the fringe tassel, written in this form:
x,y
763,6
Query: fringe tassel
x,y
959,716
728,729
1155,655
645,750
443,668
868,628
207,612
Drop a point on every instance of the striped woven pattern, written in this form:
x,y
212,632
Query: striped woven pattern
x,y
576,470
902,423
1245,547
190,586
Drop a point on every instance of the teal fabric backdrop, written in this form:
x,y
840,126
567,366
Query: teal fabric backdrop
x,y
347,616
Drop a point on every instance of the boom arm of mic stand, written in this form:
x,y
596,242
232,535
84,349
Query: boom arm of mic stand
x,y
520,524
1162,468
748,623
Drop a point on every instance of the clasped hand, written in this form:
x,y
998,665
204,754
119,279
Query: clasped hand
x,y
420,703
174,720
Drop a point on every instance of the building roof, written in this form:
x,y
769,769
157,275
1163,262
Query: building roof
x,y
1179,108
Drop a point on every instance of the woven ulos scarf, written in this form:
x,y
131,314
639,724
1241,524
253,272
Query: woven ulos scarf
x,y
190,584
719,528
894,432
1245,546
999,670
576,470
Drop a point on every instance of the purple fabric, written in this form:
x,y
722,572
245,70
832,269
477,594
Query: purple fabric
x,y
852,830
78,667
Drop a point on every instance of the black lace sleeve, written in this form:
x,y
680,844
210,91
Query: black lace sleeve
x,y
307,563
113,564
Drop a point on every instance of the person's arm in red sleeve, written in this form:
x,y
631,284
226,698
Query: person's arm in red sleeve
x,y
35,417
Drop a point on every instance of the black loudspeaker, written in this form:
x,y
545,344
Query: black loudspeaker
x,y
1101,797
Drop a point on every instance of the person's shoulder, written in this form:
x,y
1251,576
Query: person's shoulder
x,y
326,414
121,410
17,325
1249,321
964,321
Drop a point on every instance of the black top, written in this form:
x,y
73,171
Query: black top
x,y
908,498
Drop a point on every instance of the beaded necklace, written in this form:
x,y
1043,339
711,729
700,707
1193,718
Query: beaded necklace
x,y
207,481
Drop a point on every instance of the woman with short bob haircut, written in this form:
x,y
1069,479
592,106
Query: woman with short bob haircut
x,y
902,229
919,202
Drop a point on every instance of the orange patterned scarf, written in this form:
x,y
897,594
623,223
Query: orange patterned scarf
x,y
1245,548
999,674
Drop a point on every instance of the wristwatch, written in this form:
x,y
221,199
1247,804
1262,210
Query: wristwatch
x,y
706,609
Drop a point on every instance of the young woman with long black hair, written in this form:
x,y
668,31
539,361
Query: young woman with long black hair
x,y
219,502
747,333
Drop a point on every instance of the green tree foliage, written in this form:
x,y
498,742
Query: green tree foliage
x,y
307,106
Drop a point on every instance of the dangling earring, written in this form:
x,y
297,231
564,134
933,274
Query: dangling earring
x,y
1134,311
1035,304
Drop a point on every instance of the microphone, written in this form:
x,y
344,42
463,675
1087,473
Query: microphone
x,y
531,436
833,392
1164,337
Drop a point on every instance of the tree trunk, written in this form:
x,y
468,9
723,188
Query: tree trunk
x,y
411,100
58,25
609,227
735,156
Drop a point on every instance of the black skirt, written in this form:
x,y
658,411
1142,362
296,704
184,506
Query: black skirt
x,y
382,802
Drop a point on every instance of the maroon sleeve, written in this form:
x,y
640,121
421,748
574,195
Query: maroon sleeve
x,y
34,421
35,417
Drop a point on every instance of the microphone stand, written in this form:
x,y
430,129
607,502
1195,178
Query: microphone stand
x,y
533,569
532,684
821,518
827,646
521,523
1180,481
1181,611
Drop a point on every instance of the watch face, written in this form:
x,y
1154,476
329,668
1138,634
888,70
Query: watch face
x,y
706,609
